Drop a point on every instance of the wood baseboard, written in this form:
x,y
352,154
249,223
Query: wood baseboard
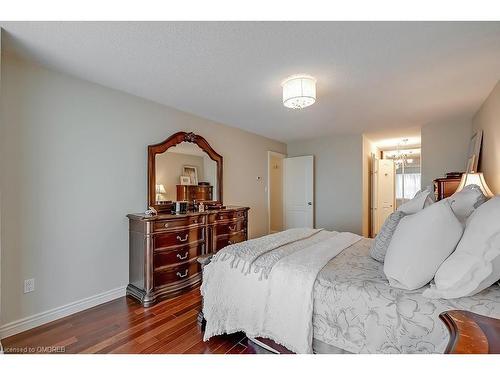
x,y
48,316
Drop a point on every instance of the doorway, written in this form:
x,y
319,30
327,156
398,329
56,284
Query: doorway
x,y
275,191
290,192
395,180
408,172
383,193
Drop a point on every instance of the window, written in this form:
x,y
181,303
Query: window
x,y
411,185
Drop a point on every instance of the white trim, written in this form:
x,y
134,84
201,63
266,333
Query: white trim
x,y
36,320
269,154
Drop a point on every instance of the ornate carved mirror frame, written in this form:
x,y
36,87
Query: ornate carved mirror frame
x,y
171,141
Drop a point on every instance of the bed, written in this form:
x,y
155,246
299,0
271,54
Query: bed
x,y
354,310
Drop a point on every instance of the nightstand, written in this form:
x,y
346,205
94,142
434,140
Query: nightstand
x,y
445,187
471,333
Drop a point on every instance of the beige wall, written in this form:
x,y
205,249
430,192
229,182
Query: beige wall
x,y
73,162
488,120
276,193
338,180
444,148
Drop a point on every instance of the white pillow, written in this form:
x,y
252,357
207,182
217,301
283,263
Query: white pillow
x,y
422,199
420,244
475,265
464,202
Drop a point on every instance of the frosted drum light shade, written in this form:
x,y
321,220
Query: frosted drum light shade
x,y
475,179
299,91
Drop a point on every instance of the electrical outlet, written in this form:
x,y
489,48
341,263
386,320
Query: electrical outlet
x,y
29,285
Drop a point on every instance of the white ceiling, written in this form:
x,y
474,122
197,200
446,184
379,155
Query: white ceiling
x,y
371,75
389,139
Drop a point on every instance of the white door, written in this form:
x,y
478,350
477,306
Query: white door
x,y
298,192
384,191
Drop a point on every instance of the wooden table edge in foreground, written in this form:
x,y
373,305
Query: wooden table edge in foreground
x,y
471,333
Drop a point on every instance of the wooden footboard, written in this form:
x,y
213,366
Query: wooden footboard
x,y
471,333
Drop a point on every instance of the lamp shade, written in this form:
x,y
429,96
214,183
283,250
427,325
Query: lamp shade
x,y
299,91
160,189
475,179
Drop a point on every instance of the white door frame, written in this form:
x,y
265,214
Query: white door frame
x,y
281,156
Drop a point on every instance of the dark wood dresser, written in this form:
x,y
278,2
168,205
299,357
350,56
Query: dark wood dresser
x,y
164,249
446,186
194,192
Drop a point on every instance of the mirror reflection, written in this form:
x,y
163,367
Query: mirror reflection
x,y
185,173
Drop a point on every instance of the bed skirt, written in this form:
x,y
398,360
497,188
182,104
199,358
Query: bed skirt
x,y
267,346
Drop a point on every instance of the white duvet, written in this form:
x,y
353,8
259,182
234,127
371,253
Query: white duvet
x,y
280,306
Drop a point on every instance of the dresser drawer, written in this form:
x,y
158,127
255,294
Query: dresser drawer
x,y
231,227
231,215
180,237
176,274
181,222
168,258
225,240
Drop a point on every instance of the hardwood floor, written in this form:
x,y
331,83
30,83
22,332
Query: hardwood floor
x,y
124,326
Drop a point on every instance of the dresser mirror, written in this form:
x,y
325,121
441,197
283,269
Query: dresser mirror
x,y
183,168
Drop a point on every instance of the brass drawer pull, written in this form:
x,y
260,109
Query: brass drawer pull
x,y
183,239
221,217
232,228
183,257
166,225
182,275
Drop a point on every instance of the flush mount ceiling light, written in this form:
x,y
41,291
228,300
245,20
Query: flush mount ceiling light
x,y
299,91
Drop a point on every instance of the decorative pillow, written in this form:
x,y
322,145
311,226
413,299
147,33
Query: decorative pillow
x,y
475,265
464,202
422,199
420,244
383,238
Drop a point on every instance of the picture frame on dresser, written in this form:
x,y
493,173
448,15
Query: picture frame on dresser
x,y
185,180
192,172
164,248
